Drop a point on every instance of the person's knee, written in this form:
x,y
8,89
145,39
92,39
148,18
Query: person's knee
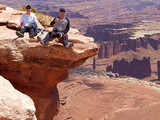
x,y
31,31
65,37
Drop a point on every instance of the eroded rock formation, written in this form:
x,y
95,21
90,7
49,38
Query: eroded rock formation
x,y
36,69
69,14
158,69
116,38
13,104
136,68
110,48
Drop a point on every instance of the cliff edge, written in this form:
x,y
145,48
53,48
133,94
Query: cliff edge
x,y
35,69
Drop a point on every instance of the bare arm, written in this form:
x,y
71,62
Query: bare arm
x,y
21,25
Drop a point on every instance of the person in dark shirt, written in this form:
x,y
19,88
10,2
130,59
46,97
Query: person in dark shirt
x,y
60,29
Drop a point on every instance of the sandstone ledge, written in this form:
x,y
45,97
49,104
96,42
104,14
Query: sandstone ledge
x,y
36,69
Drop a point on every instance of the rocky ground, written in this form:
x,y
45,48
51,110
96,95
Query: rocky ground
x,y
92,95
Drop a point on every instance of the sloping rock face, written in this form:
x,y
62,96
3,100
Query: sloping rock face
x,y
35,69
13,104
136,68
116,38
158,69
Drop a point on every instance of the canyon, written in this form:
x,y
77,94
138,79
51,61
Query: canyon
x,y
97,12
127,41
117,38
127,34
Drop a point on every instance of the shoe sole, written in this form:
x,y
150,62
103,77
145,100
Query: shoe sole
x,y
39,39
19,34
71,45
32,35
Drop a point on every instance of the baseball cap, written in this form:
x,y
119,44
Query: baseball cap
x,y
28,7
62,10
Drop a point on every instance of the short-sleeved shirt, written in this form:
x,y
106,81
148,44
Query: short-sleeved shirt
x,y
28,19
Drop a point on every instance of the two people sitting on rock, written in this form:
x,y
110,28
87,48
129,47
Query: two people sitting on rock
x,y
61,26
28,24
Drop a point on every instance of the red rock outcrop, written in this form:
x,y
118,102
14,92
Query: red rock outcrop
x,y
13,104
110,48
116,48
36,69
108,51
124,37
101,53
69,14
94,63
136,68
109,32
158,69
154,40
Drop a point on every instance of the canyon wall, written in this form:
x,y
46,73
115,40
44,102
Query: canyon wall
x,y
136,68
119,37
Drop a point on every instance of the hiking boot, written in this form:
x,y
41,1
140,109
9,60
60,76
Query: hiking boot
x,y
71,45
32,35
40,39
19,34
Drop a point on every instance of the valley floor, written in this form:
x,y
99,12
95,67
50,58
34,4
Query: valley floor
x,y
86,95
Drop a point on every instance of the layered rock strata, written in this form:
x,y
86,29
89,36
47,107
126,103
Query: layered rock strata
x,y
36,69
136,68
158,68
116,38
110,48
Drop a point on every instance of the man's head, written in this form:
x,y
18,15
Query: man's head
x,y
62,12
28,8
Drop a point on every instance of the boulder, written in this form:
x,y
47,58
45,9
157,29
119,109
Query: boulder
x,y
2,7
14,105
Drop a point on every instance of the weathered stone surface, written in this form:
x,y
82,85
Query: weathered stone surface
x,y
125,37
101,53
35,69
2,7
11,17
13,104
94,63
158,69
108,51
136,68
